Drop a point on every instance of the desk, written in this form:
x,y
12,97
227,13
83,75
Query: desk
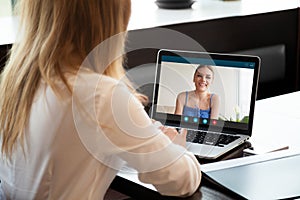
x,y
145,14
201,10
277,121
274,118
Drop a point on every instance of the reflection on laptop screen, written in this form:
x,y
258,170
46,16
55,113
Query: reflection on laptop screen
x,y
201,90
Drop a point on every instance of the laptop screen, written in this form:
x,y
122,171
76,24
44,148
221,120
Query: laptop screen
x,y
205,90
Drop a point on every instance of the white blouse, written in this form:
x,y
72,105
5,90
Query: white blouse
x,y
74,146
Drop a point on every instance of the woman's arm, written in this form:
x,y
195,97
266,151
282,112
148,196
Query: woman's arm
x,y
169,167
215,107
179,104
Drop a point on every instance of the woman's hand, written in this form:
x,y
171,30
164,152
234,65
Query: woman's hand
x,y
177,138
172,133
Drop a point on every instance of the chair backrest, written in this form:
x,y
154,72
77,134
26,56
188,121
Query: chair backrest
x,y
272,62
273,79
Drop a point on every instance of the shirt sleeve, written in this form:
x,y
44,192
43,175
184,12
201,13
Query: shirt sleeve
x,y
125,131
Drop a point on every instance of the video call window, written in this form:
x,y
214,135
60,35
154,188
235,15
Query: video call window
x,y
233,85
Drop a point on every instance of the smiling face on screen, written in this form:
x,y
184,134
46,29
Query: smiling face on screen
x,y
203,78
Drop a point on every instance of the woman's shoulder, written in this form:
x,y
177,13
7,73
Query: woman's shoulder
x,y
87,82
90,78
182,95
188,93
214,97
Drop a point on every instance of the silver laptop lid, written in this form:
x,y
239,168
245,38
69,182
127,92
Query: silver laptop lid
x,y
234,81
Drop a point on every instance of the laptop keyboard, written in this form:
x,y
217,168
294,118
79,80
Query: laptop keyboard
x,y
210,138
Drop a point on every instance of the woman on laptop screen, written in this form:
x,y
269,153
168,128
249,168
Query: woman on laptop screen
x,y
199,102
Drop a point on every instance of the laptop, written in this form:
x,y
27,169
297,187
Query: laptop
x,y
266,176
228,116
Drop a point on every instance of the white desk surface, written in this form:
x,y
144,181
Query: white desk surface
x,y
276,122
8,30
146,14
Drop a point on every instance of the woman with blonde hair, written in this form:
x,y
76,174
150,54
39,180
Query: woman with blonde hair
x,y
69,118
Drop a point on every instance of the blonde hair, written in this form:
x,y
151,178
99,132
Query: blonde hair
x,y
207,66
57,35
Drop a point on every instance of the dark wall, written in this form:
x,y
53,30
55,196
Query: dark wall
x,y
3,55
235,34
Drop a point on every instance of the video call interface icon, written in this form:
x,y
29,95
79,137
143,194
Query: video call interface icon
x,y
199,120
